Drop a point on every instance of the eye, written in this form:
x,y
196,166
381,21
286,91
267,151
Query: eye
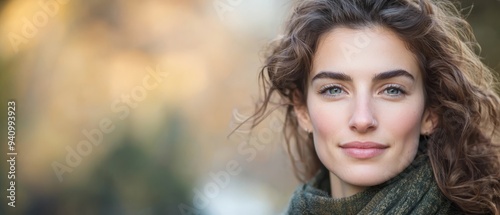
x,y
331,90
394,91
334,90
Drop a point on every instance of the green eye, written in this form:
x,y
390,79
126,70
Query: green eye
x,y
334,90
393,91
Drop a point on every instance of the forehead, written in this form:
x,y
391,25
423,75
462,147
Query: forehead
x,y
364,51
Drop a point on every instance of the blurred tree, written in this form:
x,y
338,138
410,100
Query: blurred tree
x,y
128,180
483,17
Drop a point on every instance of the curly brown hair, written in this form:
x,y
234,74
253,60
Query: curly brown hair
x,y
459,89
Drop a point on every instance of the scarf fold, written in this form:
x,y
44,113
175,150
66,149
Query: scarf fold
x,y
413,191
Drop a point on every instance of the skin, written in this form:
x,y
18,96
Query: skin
x,y
364,86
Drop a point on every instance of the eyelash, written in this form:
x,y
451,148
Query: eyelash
x,y
402,92
324,89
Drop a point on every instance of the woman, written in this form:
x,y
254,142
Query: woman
x,y
388,109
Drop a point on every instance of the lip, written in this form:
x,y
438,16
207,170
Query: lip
x,y
363,150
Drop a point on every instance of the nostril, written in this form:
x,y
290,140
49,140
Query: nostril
x,y
362,123
363,126
362,117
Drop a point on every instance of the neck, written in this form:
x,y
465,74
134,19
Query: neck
x,y
341,189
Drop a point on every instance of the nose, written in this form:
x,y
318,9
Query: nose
x,y
362,119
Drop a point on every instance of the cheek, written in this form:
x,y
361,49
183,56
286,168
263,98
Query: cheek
x,y
403,122
328,121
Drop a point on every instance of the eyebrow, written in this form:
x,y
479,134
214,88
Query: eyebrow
x,y
378,77
332,75
392,74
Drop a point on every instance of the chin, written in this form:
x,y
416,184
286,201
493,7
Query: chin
x,y
367,176
367,180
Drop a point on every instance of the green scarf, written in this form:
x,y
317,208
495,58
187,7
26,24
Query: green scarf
x,y
413,191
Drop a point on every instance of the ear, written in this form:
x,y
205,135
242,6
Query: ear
x,y
429,122
302,114
303,117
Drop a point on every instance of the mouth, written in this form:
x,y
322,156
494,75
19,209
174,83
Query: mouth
x,y
363,150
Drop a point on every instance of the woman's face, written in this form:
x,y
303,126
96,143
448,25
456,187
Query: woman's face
x,y
365,107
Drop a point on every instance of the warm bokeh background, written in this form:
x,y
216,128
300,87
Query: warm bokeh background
x,y
71,65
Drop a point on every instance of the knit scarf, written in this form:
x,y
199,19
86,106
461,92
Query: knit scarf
x,y
413,191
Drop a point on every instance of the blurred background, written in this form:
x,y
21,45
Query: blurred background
x,y
125,107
